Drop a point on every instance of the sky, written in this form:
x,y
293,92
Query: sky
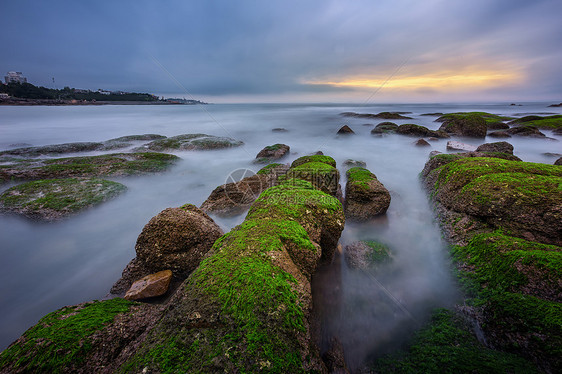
x,y
362,51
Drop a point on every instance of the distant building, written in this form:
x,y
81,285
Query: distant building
x,y
15,77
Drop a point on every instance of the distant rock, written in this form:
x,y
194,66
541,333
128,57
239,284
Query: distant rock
x,y
499,134
432,114
458,146
367,124
365,196
194,142
497,125
417,130
279,129
464,124
272,153
354,163
151,285
382,115
558,162
53,199
434,153
528,130
500,147
384,127
54,149
555,105
422,143
345,130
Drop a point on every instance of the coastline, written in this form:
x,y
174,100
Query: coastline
x,y
49,102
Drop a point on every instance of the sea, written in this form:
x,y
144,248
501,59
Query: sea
x,y
45,266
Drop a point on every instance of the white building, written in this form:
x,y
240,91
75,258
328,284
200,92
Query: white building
x,y
15,77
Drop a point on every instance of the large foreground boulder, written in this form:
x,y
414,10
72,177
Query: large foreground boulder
x,y
365,196
176,239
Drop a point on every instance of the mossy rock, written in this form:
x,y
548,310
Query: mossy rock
x,y
115,164
271,153
365,196
383,115
314,158
54,149
541,122
82,338
526,130
322,175
192,142
247,306
366,254
447,344
417,130
137,138
53,199
523,197
464,124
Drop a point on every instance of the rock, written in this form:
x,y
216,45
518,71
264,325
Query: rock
x,y
497,125
54,149
279,129
558,162
501,147
115,164
189,142
353,163
416,130
314,158
555,105
235,198
526,130
432,114
383,115
422,143
271,153
366,254
334,358
367,124
464,124
542,122
458,146
150,286
387,126
499,134
322,175
434,153
53,199
365,196
557,131
345,129
136,138
176,239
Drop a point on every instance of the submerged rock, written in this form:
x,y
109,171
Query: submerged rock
x,y
272,153
279,129
53,199
526,130
499,134
54,149
365,255
354,163
417,130
382,115
151,285
196,142
422,143
365,196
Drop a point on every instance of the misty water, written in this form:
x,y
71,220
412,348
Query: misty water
x,y
44,266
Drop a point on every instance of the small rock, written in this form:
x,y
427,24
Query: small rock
x,y
150,286
422,143
434,153
458,146
497,126
279,129
271,153
365,196
501,147
499,134
367,124
345,129
527,130
558,162
354,163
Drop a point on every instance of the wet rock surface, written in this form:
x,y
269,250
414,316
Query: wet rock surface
x,y
417,130
191,142
151,285
501,147
54,199
464,124
365,196
366,255
345,130
458,146
272,153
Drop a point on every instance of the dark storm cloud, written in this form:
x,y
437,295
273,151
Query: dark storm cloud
x,y
257,47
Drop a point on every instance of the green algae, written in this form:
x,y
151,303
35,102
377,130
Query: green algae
x,y
488,117
447,345
314,158
360,176
322,175
546,122
268,168
62,339
379,252
61,195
